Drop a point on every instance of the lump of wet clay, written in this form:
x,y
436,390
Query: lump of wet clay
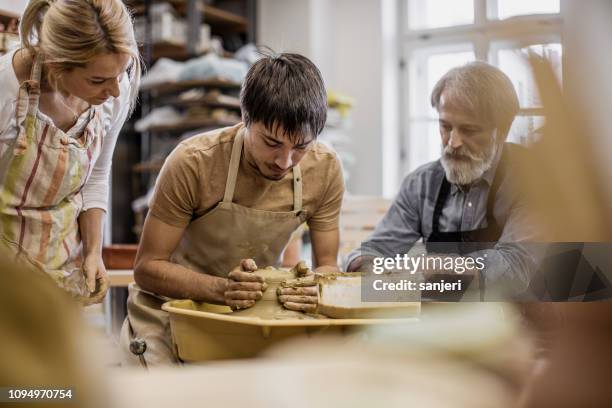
x,y
268,307
300,270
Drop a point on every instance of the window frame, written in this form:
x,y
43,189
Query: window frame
x,y
487,35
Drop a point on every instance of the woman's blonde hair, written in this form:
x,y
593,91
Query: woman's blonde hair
x,y
70,33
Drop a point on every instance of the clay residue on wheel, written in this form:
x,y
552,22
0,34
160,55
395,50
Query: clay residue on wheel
x,y
300,270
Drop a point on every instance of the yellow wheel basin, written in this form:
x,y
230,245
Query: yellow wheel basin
x,y
204,332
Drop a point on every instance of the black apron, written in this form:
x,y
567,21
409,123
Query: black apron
x,y
465,242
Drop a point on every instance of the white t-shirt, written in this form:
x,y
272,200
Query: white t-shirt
x,y
114,113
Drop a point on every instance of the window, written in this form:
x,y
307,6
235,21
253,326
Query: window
x,y
440,13
510,8
513,62
426,67
437,35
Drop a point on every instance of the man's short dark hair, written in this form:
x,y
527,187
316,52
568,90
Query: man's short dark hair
x,y
285,90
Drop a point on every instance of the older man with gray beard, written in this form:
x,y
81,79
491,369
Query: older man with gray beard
x,y
463,205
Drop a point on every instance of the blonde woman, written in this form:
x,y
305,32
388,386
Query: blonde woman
x,y
65,95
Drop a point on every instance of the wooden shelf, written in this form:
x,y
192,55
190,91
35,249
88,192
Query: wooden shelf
x,y
192,124
8,14
120,278
177,52
212,15
216,16
6,17
168,87
169,50
200,102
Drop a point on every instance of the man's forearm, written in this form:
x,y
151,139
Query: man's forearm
x,y
360,259
325,245
176,281
328,264
90,227
510,265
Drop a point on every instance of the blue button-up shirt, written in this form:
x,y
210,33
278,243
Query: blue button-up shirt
x,y
410,216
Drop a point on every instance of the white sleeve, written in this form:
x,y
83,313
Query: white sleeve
x,y
8,130
7,118
8,98
96,190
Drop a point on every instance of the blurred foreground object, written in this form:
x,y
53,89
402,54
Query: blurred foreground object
x,y
43,344
567,189
472,356
562,178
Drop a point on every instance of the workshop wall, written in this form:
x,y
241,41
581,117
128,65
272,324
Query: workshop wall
x,y
344,38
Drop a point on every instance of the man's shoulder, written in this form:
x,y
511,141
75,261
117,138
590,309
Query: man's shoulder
x,y
321,155
320,160
211,139
425,173
211,143
202,153
323,150
421,185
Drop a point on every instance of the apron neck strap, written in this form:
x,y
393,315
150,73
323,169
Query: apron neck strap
x,y
30,91
297,188
234,165
443,194
35,74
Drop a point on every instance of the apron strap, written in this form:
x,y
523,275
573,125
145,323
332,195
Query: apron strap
x,y
297,189
27,104
234,164
33,85
443,193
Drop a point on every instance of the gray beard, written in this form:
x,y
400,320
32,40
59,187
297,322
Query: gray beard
x,y
470,167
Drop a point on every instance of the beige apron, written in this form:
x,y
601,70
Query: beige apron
x,y
213,244
42,173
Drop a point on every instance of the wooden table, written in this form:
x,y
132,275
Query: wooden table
x,y
117,299
120,278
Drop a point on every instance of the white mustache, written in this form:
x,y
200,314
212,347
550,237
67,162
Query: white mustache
x,y
452,154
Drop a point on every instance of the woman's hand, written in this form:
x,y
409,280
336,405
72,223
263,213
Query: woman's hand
x,y
90,226
93,268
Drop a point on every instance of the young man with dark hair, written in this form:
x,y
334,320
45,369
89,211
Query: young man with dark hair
x,y
227,201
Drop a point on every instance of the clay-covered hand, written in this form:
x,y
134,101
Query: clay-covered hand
x,y
75,283
300,294
96,278
244,287
99,293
